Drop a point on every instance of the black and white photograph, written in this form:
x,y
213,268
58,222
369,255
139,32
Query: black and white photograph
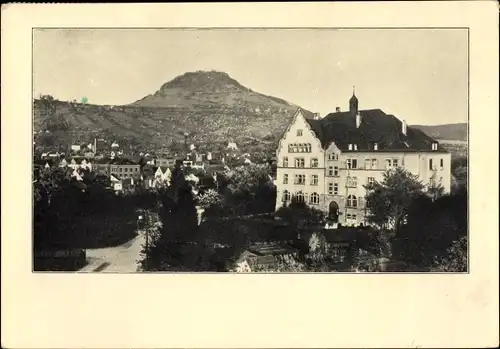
x,y
250,150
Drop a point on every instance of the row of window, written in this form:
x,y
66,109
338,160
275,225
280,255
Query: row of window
x,y
301,179
351,182
299,148
313,198
300,162
124,169
432,166
370,164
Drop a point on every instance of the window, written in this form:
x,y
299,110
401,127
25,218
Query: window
x,y
352,182
299,132
285,179
285,162
352,163
300,196
333,171
350,146
430,164
333,188
300,162
371,180
333,156
300,179
350,216
371,164
441,164
299,148
314,162
286,196
352,201
391,163
355,146
434,146
375,146
121,169
314,180
314,199
125,169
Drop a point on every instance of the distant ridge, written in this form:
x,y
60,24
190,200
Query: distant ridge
x,y
452,132
210,105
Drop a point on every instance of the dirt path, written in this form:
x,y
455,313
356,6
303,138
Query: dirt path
x,y
119,259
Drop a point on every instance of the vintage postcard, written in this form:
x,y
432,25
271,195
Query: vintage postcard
x,y
195,149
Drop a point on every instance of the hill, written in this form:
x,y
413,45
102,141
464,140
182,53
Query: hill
x,y
450,132
211,106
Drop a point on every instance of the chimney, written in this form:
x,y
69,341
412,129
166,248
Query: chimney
x,y
358,120
403,127
337,109
316,116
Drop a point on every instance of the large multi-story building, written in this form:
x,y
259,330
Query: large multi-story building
x,y
326,162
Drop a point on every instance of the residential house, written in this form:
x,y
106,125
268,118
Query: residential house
x,y
75,147
198,165
165,162
326,162
116,183
264,256
63,163
198,157
232,146
79,162
124,168
162,176
101,166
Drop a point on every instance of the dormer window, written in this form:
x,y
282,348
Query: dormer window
x,y
355,146
299,132
375,146
434,146
350,146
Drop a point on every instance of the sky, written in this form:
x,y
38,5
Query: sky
x,y
418,75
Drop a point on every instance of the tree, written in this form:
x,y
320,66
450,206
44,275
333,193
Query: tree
x,y
49,119
250,189
434,189
177,241
387,202
456,258
431,228
211,202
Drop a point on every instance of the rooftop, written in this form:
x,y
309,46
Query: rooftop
x,y
376,127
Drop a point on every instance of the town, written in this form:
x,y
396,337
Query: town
x,y
352,191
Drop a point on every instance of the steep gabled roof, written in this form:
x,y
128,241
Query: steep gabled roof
x,y
376,127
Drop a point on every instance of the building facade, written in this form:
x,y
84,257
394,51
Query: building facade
x,y
325,162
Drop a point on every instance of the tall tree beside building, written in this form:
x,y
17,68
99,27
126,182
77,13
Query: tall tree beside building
x,y
387,202
172,248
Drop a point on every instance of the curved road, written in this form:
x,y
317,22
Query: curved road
x,y
119,259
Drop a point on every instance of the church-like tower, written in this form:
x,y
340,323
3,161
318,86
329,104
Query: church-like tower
x,y
353,103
